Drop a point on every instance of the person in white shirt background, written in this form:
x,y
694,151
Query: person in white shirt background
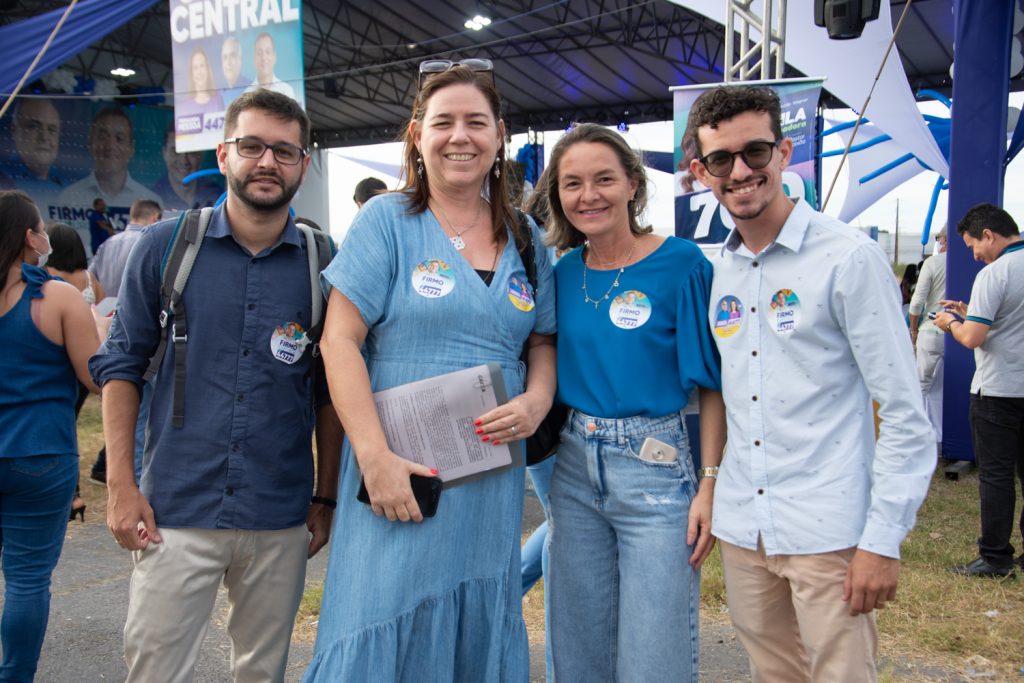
x,y
927,339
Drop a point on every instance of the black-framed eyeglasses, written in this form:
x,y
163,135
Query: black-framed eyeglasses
x,y
439,66
756,155
254,148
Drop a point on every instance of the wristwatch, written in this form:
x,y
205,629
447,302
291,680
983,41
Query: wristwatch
x,y
709,472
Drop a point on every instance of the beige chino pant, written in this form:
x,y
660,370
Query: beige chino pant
x,y
790,617
173,589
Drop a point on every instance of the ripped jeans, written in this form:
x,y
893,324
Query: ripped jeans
x,y
623,596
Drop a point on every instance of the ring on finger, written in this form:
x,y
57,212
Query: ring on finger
x,y
514,429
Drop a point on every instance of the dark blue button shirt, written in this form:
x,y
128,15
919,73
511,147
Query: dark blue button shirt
x,y
243,458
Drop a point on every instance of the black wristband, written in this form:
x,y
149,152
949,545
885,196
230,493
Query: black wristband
x,y
326,502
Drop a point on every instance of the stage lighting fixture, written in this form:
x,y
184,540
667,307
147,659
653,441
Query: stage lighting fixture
x,y
845,19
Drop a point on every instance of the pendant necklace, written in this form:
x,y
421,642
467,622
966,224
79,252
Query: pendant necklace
x,y
615,283
456,239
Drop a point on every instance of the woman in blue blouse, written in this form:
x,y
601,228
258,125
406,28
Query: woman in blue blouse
x,y
429,281
49,335
631,523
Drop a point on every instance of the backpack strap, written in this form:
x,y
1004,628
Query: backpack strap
x,y
319,251
175,269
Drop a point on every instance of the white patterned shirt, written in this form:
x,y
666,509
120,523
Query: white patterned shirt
x,y
810,332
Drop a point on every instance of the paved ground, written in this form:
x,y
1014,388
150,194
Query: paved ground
x,y
87,614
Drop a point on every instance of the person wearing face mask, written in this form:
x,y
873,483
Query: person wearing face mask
x,y
52,336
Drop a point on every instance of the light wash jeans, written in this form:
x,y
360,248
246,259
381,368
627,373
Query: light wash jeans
x,y
623,596
35,496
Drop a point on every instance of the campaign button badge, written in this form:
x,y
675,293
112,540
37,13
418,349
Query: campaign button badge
x,y
433,279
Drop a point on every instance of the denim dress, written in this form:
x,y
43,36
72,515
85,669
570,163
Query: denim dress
x,y
441,600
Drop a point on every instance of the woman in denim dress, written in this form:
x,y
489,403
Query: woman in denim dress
x,y
630,523
429,281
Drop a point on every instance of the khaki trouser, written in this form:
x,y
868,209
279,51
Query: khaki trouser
x,y
790,617
173,589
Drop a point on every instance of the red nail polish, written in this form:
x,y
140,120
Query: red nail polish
x,y
434,472
477,423
479,431
497,443
485,438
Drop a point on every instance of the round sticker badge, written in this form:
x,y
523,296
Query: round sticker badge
x,y
630,310
519,294
728,315
433,279
288,342
784,311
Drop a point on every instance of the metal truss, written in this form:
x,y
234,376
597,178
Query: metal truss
x,y
760,54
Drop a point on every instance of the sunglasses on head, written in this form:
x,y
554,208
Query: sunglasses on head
x,y
756,155
432,67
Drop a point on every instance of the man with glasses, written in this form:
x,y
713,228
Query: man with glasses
x,y
810,510
225,492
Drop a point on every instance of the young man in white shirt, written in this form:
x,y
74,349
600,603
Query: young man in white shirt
x,y
810,510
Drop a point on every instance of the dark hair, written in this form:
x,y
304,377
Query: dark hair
x,y
112,112
990,217
561,233
273,103
727,101
141,208
18,213
368,187
96,202
417,188
68,251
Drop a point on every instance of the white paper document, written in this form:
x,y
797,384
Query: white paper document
x,y
431,422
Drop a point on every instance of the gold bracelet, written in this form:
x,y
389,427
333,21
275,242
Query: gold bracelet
x,y
709,472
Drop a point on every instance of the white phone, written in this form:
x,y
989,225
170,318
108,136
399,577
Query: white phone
x,y
658,451
106,307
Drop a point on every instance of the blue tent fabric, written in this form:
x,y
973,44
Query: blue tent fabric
x,y
89,21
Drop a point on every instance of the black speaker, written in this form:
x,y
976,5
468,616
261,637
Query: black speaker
x,y
845,19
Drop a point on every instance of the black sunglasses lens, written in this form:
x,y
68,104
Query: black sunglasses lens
x,y
718,163
756,155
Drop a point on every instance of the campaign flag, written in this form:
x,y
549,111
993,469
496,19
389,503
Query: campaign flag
x,y
222,49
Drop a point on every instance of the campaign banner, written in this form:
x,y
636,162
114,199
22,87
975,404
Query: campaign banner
x,y
699,216
66,154
221,49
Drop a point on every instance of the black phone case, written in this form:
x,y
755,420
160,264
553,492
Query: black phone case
x,y
426,490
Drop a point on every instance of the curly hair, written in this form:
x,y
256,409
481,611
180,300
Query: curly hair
x,y
418,188
727,101
561,233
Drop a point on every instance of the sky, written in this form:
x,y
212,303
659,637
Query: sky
x,y
913,196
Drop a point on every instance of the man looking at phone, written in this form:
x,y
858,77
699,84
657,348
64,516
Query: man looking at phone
x,y
228,470
810,511
993,325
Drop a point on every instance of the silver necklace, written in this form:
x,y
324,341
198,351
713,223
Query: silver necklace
x,y
456,239
615,283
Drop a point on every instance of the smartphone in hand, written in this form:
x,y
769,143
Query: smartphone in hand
x,y
426,490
